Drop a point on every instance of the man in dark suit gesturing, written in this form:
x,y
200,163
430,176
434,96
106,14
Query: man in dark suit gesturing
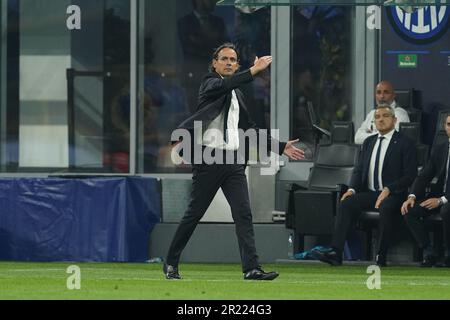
x,y
435,202
386,168
222,112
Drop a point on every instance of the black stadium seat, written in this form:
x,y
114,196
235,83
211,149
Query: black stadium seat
x,y
411,130
342,132
409,99
311,208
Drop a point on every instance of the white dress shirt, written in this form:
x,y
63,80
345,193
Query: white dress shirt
x,y
214,136
384,146
368,126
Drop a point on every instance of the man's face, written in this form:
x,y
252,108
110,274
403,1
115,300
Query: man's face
x,y
226,63
384,93
384,121
447,126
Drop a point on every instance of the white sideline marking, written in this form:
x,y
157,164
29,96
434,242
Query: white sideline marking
x,y
59,269
319,282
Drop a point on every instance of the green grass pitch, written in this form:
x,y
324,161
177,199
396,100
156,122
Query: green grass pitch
x,y
218,282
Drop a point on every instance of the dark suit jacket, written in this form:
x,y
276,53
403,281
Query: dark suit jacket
x,y
436,167
399,166
215,96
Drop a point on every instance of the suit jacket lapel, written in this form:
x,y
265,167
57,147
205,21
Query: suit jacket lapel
x,y
240,98
391,147
243,112
444,153
368,157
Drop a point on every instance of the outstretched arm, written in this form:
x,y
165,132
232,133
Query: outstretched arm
x,y
290,150
293,152
261,64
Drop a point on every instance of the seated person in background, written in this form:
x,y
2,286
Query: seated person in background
x,y
384,94
386,168
433,203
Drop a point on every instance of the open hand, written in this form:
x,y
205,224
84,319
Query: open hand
x,y
349,193
430,204
293,152
383,195
407,205
261,64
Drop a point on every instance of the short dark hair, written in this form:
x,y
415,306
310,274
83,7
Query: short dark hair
x,y
386,106
215,55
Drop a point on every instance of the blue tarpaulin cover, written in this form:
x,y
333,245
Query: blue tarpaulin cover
x,y
90,219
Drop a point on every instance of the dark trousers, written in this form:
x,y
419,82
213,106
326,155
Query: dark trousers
x,y
350,209
207,179
414,220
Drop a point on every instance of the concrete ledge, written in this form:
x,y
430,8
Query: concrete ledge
x,y
217,243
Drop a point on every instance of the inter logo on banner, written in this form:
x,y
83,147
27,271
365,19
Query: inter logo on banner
x,y
424,25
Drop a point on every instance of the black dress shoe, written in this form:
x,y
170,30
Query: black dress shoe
x,y
327,255
259,274
171,272
428,262
380,260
